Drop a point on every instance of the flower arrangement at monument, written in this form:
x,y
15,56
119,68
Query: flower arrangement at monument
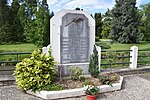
x,y
91,91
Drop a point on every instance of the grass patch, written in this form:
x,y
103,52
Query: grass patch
x,y
18,48
15,48
143,45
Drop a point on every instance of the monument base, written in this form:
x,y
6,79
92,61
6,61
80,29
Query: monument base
x,y
64,68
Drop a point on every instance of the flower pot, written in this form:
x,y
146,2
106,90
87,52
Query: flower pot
x,y
91,97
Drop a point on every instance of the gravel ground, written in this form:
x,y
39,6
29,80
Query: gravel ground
x,y
134,88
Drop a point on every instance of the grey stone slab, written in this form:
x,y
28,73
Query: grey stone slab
x,y
7,78
74,35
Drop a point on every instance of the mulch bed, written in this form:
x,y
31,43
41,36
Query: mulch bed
x,y
71,84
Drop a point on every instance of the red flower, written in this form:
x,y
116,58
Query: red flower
x,y
90,83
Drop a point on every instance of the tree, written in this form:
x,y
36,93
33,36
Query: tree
x,y
106,25
43,24
125,22
145,28
35,21
98,22
27,17
3,12
17,28
5,22
93,66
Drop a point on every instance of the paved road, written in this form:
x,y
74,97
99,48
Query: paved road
x,y
134,88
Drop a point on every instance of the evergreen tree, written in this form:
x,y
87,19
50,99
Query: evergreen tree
x,y
93,66
5,22
17,28
3,12
125,22
106,25
145,28
98,22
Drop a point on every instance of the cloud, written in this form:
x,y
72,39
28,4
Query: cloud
x,y
138,2
95,4
87,5
52,2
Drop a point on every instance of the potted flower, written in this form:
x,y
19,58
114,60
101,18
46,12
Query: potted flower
x,y
91,91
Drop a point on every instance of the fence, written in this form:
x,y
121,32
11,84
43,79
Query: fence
x,y
120,58
11,58
132,58
143,57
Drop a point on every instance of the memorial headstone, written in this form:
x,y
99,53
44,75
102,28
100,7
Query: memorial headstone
x,y
72,38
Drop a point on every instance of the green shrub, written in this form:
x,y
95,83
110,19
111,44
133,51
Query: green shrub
x,y
109,78
36,71
75,73
105,80
93,66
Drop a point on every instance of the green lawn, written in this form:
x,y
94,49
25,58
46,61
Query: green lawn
x,y
30,47
143,45
18,48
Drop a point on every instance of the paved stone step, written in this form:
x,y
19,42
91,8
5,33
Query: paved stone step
x,y
6,70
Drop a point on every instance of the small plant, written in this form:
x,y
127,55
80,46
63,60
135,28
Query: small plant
x,y
87,82
109,78
75,73
91,89
105,80
111,57
35,72
50,87
93,66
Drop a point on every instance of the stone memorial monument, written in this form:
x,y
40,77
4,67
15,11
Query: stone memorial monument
x,y
72,36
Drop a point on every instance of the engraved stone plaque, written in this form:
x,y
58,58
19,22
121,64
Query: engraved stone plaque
x,y
74,39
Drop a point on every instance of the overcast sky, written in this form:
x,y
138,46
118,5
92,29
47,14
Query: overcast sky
x,y
91,6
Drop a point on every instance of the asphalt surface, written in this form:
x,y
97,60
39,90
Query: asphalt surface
x,y
134,87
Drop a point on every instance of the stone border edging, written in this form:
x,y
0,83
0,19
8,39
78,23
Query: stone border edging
x,y
74,92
